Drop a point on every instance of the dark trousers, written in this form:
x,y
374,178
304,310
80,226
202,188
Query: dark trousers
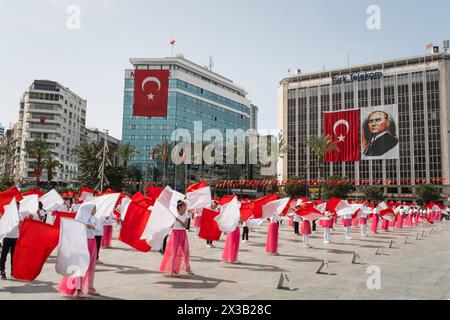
x,y
296,225
245,233
8,246
98,239
164,244
189,224
314,226
208,242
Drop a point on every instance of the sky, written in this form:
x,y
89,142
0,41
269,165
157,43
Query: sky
x,y
253,42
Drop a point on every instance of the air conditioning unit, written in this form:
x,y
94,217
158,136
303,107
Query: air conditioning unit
x,y
435,49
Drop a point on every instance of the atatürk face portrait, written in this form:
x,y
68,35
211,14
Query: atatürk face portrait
x,y
379,140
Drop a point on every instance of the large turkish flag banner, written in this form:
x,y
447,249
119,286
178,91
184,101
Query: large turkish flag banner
x,y
343,127
151,90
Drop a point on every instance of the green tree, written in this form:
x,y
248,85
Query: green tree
x,y
296,190
126,152
373,193
163,151
39,150
50,165
337,187
321,146
427,193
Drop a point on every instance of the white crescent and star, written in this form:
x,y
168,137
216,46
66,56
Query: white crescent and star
x,y
150,96
341,138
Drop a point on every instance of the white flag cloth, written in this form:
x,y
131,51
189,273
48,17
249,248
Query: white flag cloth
x,y
322,207
229,217
105,205
199,199
29,204
86,196
10,219
73,253
254,223
51,200
162,218
344,209
123,207
382,206
274,207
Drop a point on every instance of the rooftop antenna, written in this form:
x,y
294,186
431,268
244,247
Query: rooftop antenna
x,y
211,63
172,43
348,59
446,45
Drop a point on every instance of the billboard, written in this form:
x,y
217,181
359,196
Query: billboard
x,y
379,133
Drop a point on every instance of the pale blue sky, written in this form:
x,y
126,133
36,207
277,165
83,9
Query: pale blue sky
x,y
253,42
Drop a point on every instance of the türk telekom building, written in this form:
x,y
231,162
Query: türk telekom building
x,y
417,88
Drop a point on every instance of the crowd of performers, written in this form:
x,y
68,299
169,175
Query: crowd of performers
x,y
303,215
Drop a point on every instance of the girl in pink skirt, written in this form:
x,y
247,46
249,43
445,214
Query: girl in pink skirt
x,y
327,226
375,219
347,224
400,219
409,218
107,232
385,225
176,254
71,286
272,236
306,232
363,223
231,249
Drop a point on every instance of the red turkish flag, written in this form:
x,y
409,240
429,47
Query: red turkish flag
x,y
258,204
36,242
209,230
133,226
196,186
7,196
246,210
61,214
343,127
151,89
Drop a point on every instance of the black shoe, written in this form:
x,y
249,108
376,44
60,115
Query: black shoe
x,y
3,275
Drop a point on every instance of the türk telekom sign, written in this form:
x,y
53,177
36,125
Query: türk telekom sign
x,y
357,77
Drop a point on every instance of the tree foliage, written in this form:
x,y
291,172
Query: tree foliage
x,y
428,193
296,190
334,187
373,193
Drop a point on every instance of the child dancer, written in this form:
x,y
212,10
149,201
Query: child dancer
x,y
272,235
306,232
231,249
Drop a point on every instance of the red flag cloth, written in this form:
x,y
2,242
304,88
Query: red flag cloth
x,y
196,186
209,230
151,89
310,213
343,127
7,196
36,242
226,199
61,214
138,196
133,226
286,209
258,203
154,192
246,211
36,191
332,203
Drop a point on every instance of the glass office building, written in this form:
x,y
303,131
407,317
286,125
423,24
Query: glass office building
x,y
419,86
195,94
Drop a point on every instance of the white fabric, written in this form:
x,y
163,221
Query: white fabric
x,y
169,199
199,199
73,253
86,196
344,209
158,226
253,223
123,207
51,200
229,217
9,223
274,207
85,216
322,207
75,207
105,205
29,204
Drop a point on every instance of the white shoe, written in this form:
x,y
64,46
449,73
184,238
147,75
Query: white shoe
x,y
197,237
244,241
326,242
348,238
209,246
307,247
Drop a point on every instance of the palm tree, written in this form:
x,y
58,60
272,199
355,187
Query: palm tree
x,y
127,152
321,147
163,151
38,149
50,165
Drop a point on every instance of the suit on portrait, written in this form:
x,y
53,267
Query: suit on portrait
x,y
379,146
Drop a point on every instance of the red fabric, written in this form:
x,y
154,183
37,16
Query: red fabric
x,y
88,190
226,199
36,191
272,238
36,242
286,209
246,210
138,196
142,200
332,204
151,88
343,127
133,226
153,192
209,230
59,215
7,196
196,186
257,211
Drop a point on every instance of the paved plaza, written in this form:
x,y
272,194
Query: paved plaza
x,y
419,269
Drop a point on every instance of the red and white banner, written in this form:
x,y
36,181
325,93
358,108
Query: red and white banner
x,y
343,127
151,90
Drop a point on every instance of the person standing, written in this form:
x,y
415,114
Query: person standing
x,y
306,232
75,206
327,226
8,246
363,223
375,220
347,224
98,234
177,251
215,207
86,215
272,235
107,232
231,249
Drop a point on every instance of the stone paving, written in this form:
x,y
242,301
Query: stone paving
x,y
419,269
